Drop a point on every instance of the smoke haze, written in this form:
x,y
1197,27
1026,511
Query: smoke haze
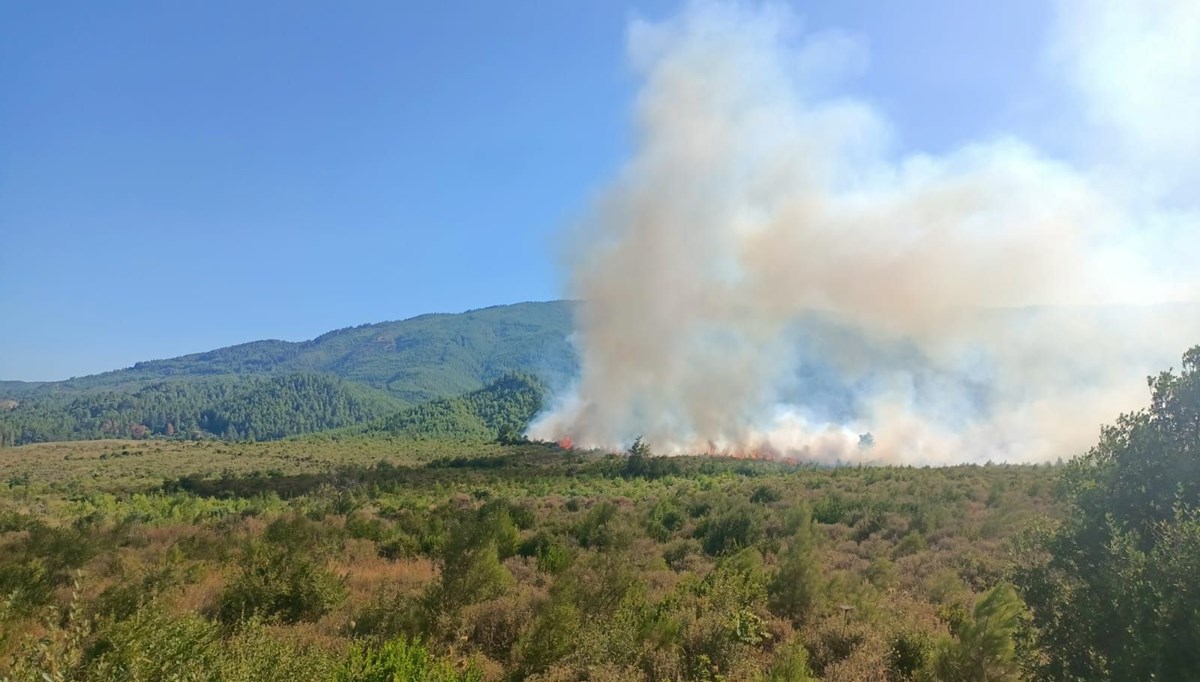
x,y
767,274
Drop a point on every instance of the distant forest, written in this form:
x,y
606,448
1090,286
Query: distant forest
x,y
272,408
233,408
351,377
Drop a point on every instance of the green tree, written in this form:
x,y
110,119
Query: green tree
x,y
795,589
470,563
1114,589
984,648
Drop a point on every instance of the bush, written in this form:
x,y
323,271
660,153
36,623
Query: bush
x,y
664,519
597,529
296,533
154,646
551,553
276,585
790,665
731,530
551,638
401,661
470,562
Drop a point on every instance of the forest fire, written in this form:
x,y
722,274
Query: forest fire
x,y
763,451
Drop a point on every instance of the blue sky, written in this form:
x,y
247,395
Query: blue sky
x,y
176,177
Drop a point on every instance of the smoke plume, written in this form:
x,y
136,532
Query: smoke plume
x,y
767,273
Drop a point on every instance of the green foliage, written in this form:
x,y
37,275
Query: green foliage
x,y
790,665
553,636
500,411
382,366
470,562
153,646
398,660
550,551
665,519
42,561
732,529
276,584
254,408
795,591
1113,588
984,647
909,654
599,528
533,562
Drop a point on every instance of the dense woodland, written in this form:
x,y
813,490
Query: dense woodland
x,y
372,555
272,408
232,408
274,389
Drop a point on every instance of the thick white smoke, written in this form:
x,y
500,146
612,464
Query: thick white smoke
x,y
766,274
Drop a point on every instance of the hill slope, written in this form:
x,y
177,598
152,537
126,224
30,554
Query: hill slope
x,y
414,360
271,389
500,410
255,408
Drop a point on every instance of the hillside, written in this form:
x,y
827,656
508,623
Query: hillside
x,y
500,410
415,360
254,408
271,389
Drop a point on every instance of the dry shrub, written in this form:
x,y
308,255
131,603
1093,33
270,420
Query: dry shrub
x,y
496,625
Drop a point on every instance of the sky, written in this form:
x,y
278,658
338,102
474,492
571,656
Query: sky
x,y
177,177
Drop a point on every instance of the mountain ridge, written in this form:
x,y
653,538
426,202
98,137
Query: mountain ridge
x,y
428,356
272,388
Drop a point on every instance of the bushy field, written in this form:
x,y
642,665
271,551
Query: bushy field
x,y
375,559
505,562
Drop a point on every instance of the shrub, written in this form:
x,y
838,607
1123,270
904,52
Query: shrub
x,y
551,553
280,586
731,530
552,637
790,665
664,519
296,533
401,661
154,646
597,529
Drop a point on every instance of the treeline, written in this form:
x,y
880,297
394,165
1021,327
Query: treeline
x,y
501,411
250,408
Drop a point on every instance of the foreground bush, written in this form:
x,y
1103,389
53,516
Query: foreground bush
x,y
279,585
401,661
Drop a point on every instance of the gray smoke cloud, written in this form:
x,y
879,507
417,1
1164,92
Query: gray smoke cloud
x,y
766,273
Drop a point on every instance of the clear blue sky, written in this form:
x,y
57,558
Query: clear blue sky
x,y
176,177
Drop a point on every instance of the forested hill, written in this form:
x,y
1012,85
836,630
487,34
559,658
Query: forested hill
x,y
254,408
501,411
414,360
272,389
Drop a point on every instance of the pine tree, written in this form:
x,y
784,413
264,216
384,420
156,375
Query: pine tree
x,y
795,590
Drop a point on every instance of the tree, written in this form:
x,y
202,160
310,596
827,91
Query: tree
x,y
984,649
640,448
795,589
1114,589
470,563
